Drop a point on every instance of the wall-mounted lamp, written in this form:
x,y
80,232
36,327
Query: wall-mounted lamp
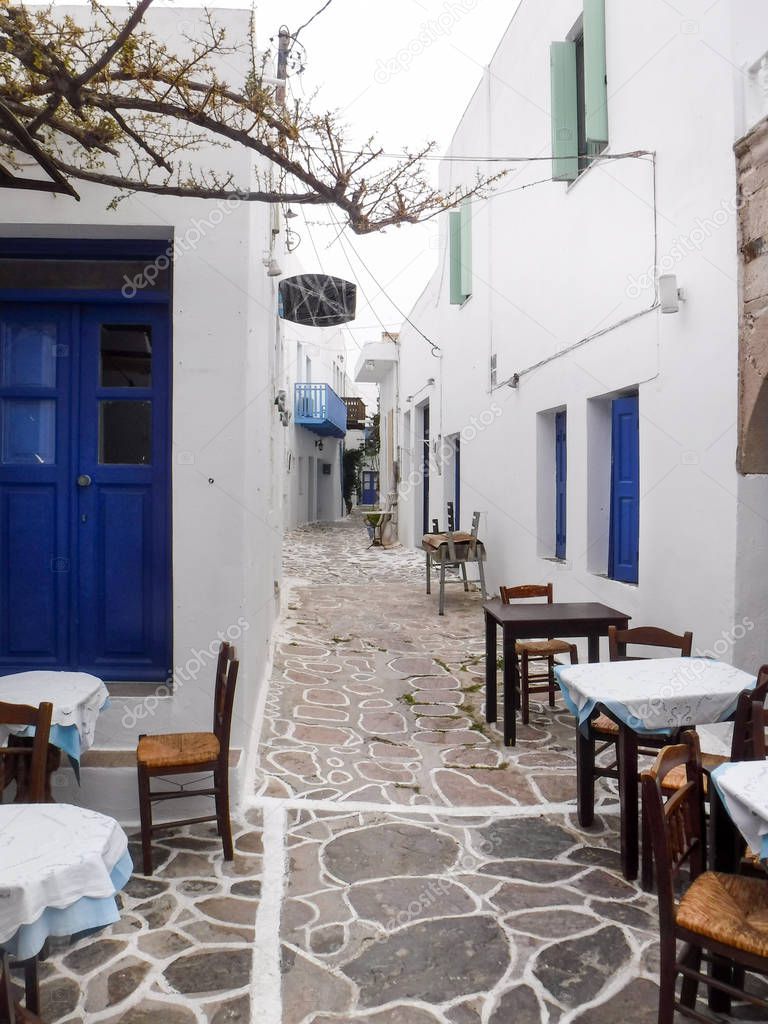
x,y
319,445
289,213
273,267
409,398
430,381
670,296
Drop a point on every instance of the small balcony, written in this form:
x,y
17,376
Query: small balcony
x,y
318,408
355,413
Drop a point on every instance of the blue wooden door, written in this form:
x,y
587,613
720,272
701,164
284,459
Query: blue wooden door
x,y
425,468
457,483
561,476
370,487
84,489
35,428
625,490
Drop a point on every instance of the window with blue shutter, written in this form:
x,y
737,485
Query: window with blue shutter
x,y
460,253
623,552
561,474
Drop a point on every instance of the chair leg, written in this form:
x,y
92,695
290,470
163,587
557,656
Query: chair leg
x,y
7,1012
667,979
145,815
585,777
464,575
224,825
551,680
481,572
646,854
31,986
441,609
525,710
690,987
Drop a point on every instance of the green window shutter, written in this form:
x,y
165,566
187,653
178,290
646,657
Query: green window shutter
x,y
595,89
465,214
564,111
454,248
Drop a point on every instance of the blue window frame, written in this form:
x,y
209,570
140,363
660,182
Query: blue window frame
x,y
561,476
625,490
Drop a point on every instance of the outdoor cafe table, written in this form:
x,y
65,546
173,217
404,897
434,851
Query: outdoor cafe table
x,y
60,869
742,789
77,700
528,621
653,696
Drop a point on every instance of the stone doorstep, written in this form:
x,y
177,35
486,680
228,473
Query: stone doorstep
x,y
106,758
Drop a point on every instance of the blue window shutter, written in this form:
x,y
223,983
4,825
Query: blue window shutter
x,y
561,475
466,248
595,87
625,490
564,111
454,251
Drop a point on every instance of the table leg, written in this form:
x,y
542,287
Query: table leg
x,y
490,669
441,610
725,841
511,688
429,573
628,794
593,647
585,778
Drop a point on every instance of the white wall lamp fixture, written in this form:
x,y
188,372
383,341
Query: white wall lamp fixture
x,y
430,382
670,296
273,267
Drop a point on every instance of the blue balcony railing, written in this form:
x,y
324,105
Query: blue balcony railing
x,y
318,408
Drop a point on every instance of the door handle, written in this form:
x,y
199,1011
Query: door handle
x,y
84,480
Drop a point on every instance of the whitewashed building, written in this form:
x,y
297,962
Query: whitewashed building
x,y
144,488
613,433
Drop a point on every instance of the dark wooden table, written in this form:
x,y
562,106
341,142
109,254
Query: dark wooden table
x,y
528,621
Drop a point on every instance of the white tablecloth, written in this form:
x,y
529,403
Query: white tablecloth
x,y
656,695
743,787
53,857
77,699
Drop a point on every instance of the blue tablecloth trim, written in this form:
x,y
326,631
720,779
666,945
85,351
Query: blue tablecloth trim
x,y
86,915
619,711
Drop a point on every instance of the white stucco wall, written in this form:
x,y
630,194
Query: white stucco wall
x,y
227,441
553,264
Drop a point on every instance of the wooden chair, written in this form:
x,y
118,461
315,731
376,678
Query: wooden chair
x,y
25,763
537,651
721,918
191,752
745,743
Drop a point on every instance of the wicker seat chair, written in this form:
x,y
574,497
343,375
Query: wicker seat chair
x,y
191,752
537,652
721,918
24,762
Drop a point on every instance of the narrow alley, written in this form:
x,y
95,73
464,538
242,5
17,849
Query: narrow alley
x,y
431,874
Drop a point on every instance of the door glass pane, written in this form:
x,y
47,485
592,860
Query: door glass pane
x,y
27,431
125,433
126,356
28,355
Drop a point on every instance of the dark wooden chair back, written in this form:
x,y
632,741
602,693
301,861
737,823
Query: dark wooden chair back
x,y
475,524
28,762
745,721
227,668
759,723
646,636
526,591
676,826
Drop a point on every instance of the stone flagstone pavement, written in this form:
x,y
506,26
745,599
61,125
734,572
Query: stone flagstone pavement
x,y
397,865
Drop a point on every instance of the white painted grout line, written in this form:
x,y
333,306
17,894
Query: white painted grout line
x,y
351,807
266,993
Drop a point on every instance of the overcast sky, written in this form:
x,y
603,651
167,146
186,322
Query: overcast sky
x,y
360,59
